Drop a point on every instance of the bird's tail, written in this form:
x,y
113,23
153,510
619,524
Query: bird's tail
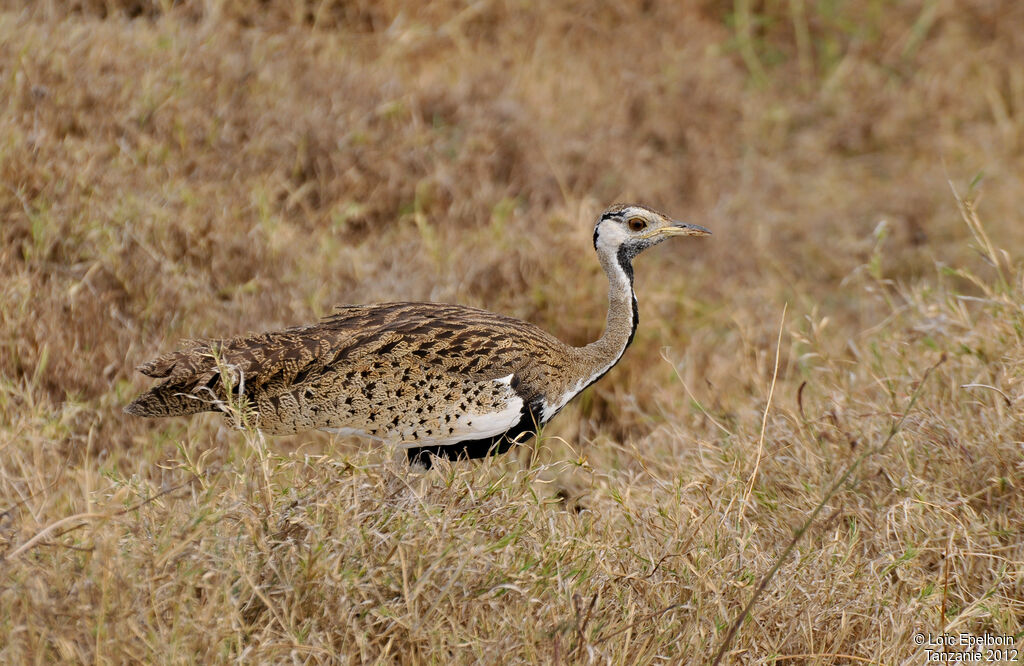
x,y
167,400
190,377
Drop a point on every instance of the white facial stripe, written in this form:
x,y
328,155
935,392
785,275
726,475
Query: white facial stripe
x,y
611,235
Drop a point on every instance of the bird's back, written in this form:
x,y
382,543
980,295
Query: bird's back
x,y
405,372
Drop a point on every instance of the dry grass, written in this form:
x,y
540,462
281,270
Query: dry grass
x,y
203,167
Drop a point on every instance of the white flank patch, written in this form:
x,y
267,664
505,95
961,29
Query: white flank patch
x,y
481,425
356,432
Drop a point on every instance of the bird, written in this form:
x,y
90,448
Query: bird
x,y
437,379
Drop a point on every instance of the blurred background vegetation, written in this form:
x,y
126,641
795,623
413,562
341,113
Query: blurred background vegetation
x,y
194,168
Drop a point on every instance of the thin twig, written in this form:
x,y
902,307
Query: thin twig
x,y
649,616
764,417
581,627
945,578
1005,397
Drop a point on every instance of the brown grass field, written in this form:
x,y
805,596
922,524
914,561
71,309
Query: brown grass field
x,y
845,353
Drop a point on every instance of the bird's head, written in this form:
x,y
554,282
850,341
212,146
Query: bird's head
x,y
625,230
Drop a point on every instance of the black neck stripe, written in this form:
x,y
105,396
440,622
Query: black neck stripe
x,y
625,257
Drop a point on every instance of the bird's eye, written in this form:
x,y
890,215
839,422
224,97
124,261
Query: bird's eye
x,y
636,224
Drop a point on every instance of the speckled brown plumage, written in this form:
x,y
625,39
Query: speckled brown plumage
x,y
397,367
438,378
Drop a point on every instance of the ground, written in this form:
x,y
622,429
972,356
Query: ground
x,y
821,411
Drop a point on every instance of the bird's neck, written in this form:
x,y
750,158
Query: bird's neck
x,y
599,356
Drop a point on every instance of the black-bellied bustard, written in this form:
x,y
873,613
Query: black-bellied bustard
x,y
447,380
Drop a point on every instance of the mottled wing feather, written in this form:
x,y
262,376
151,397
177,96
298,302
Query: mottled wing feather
x,y
366,368
192,376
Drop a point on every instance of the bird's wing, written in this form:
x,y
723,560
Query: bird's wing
x,y
194,377
461,341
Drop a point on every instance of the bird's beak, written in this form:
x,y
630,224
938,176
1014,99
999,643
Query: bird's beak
x,y
681,229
